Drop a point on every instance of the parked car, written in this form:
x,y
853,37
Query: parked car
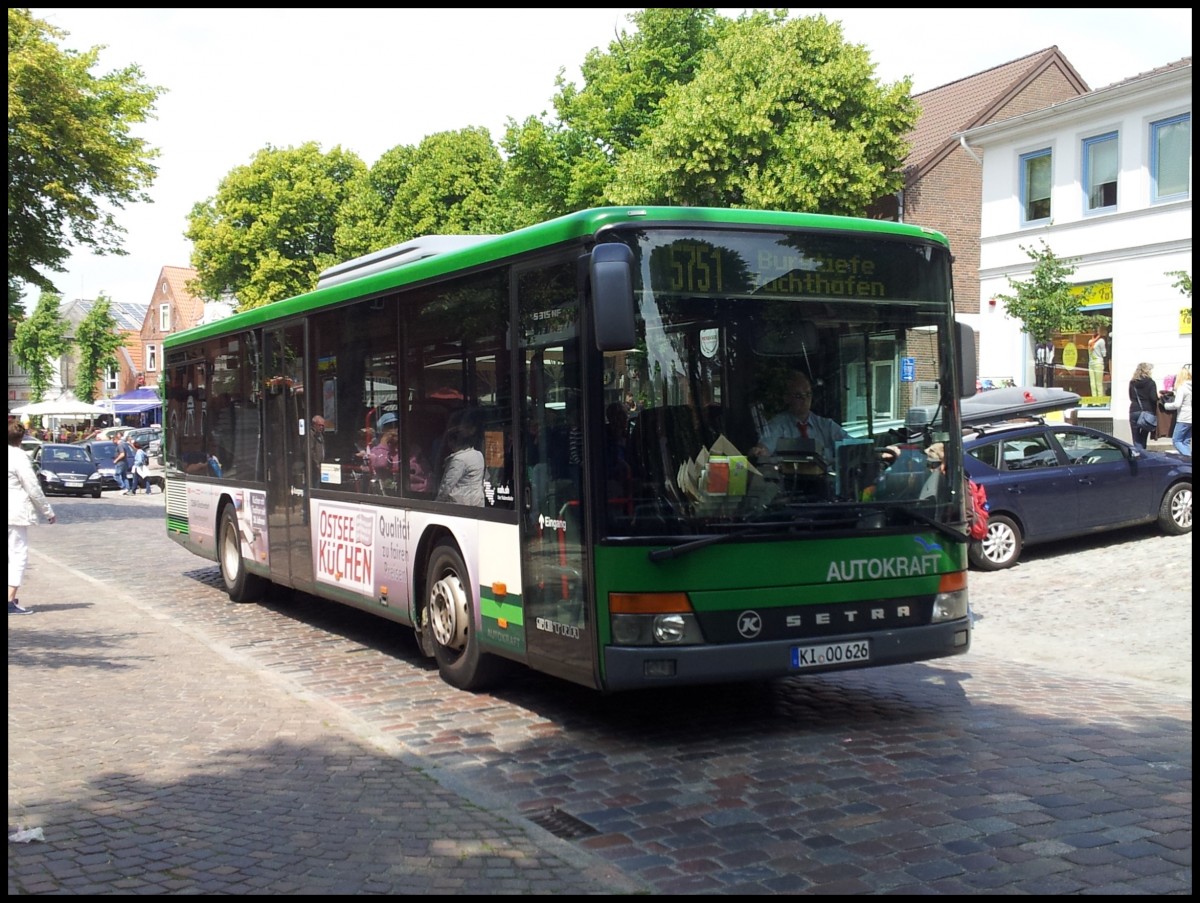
x,y
103,452
148,438
66,470
1048,481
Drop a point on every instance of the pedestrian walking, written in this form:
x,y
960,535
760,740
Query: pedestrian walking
x,y
1181,438
124,465
141,468
25,502
1143,403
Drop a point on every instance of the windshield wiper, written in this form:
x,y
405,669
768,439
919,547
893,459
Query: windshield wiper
x,y
692,545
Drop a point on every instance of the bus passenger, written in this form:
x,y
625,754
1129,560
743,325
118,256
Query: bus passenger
x,y
462,472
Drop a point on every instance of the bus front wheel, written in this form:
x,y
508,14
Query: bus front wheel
x,y
240,584
450,613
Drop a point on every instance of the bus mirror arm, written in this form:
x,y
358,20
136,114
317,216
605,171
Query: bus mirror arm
x,y
610,271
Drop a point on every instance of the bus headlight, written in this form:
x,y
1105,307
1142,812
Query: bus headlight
x,y
656,630
653,619
949,606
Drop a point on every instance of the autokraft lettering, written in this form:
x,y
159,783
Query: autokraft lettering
x,y
881,568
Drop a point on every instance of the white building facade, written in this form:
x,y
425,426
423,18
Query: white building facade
x,y
1104,180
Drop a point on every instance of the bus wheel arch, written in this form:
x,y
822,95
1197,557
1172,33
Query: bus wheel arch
x,y
448,621
240,584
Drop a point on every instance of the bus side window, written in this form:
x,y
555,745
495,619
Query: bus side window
x,y
424,447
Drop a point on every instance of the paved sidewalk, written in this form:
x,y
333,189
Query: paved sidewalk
x,y
154,763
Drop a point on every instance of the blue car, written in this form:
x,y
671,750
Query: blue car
x,y
1048,481
102,453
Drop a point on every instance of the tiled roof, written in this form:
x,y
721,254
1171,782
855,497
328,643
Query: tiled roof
x,y
973,100
1178,64
188,306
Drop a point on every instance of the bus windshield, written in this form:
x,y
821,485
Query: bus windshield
x,y
779,378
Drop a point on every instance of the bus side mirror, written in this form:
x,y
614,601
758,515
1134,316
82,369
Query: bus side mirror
x,y
611,272
967,365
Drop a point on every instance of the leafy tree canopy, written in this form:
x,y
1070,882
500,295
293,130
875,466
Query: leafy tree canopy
x,y
40,341
1043,302
72,160
269,231
780,115
447,185
555,167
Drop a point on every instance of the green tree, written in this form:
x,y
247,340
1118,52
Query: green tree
x,y
72,161
97,339
269,231
449,188
780,115
40,341
1043,302
363,220
557,166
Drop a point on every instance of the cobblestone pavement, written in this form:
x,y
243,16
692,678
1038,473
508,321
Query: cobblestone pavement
x,y
166,740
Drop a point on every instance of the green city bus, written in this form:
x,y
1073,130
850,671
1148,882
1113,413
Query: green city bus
x,y
546,447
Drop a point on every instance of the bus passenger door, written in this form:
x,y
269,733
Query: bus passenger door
x,y
287,458
560,632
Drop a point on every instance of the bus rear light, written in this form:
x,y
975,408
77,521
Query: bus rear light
x,y
649,603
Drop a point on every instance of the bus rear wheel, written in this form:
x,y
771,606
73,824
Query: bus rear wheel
x,y
450,614
240,584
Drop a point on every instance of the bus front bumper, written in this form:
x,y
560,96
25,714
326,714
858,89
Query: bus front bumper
x,y
631,667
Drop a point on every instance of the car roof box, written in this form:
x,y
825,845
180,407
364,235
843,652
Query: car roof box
x,y
1015,401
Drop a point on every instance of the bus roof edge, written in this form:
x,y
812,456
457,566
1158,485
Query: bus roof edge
x,y
397,255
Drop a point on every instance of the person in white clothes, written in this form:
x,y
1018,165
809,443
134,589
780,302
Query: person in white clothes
x,y
25,502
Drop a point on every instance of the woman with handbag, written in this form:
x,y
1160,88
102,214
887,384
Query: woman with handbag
x,y
1143,404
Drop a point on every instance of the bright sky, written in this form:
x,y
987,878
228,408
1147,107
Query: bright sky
x,y
369,80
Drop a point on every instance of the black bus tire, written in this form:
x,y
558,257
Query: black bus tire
x,y
240,584
450,613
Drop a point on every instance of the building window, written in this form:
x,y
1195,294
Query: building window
x,y
164,318
151,358
1171,158
1100,172
1081,362
112,379
1035,186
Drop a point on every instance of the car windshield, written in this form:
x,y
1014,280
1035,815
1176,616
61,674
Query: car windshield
x,y
103,451
64,453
